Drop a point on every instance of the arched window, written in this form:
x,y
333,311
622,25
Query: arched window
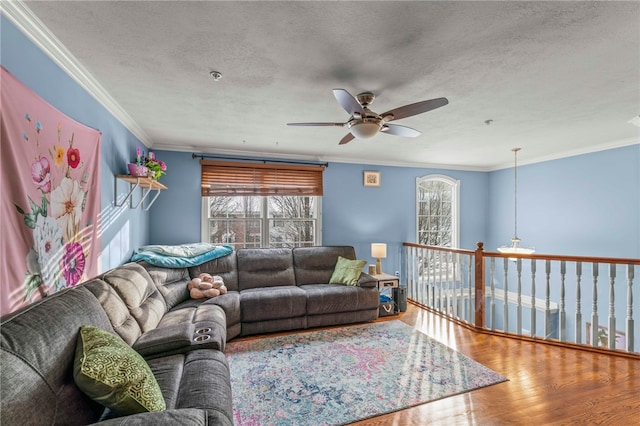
x,y
437,207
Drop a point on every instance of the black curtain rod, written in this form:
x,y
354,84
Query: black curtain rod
x,y
216,157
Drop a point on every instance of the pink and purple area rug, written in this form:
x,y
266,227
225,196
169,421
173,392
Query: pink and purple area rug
x,y
341,375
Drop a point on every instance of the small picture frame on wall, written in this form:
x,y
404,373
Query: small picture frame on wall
x,y
371,178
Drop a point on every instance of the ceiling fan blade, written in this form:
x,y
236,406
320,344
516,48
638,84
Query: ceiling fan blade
x,y
348,102
316,124
395,129
348,138
414,109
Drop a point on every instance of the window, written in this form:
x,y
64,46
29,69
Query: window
x,y
262,221
437,210
261,205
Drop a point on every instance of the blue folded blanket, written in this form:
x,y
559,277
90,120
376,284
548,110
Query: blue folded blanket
x,y
158,255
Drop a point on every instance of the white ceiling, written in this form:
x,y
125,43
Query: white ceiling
x,y
555,78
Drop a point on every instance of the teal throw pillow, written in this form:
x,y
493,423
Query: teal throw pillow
x,y
113,374
347,271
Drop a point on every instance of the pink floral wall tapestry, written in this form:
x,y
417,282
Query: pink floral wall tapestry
x,y
50,194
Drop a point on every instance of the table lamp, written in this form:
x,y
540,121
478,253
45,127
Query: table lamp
x,y
379,251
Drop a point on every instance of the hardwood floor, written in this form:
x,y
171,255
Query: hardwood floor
x,y
547,385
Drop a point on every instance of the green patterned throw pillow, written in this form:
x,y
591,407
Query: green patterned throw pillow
x,y
347,271
113,374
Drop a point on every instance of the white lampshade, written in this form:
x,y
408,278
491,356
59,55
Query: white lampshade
x,y
365,129
515,249
378,250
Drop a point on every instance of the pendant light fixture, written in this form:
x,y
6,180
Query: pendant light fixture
x,y
515,241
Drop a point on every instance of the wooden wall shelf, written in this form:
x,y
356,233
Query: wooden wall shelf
x,y
146,184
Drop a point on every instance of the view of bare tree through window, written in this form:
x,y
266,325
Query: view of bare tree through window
x,y
434,213
274,221
437,218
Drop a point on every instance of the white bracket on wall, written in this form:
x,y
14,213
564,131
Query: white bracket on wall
x,y
144,183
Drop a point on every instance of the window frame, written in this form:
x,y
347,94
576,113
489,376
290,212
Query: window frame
x,y
454,185
264,219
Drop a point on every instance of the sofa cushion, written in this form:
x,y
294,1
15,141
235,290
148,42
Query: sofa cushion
x,y
225,266
171,283
314,265
37,349
265,267
135,287
182,417
121,319
347,271
259,304
113,374
197,379
334,298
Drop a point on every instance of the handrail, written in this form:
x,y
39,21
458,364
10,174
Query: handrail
x,y
449,280
538,256
447,249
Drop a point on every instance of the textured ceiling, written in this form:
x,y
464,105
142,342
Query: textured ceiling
x,y
555,78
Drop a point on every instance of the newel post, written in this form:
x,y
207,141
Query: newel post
x,y
479,284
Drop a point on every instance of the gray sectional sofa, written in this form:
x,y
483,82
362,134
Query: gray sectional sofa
x,y
181,339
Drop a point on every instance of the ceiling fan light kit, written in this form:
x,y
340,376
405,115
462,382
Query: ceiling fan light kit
x,y
364,128
364,123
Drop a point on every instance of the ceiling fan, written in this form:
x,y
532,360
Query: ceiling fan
x,y
364,123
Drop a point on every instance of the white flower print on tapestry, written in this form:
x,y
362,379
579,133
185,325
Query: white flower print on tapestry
x,y
66,206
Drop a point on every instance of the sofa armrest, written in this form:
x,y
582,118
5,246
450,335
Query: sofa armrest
x,y
367,281
182,417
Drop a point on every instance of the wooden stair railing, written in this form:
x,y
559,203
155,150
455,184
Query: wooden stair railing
x,y
460,283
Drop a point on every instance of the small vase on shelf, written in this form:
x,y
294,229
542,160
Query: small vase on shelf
x,y
138,170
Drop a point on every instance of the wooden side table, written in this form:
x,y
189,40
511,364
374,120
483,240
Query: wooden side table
x,y
387,281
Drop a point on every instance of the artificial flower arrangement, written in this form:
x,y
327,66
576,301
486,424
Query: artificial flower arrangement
x,y
147,165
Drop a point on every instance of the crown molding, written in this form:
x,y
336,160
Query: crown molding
x,y
572,153
319,158
32,27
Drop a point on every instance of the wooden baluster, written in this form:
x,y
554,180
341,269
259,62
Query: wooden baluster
x,y
443,282
456,265
562,320
533,297
612,308
629,329
492,295
447,284
479,286
594,307
423,269
469,298
519,297
418,276
424,288
432,280
505,305
578,329
547,301
451,283
406,252
440,283
414,267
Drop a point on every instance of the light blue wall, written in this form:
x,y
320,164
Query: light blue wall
x,y
357,215
123,229
586,205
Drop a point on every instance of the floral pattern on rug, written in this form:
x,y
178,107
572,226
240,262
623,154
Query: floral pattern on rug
x,y
341,375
